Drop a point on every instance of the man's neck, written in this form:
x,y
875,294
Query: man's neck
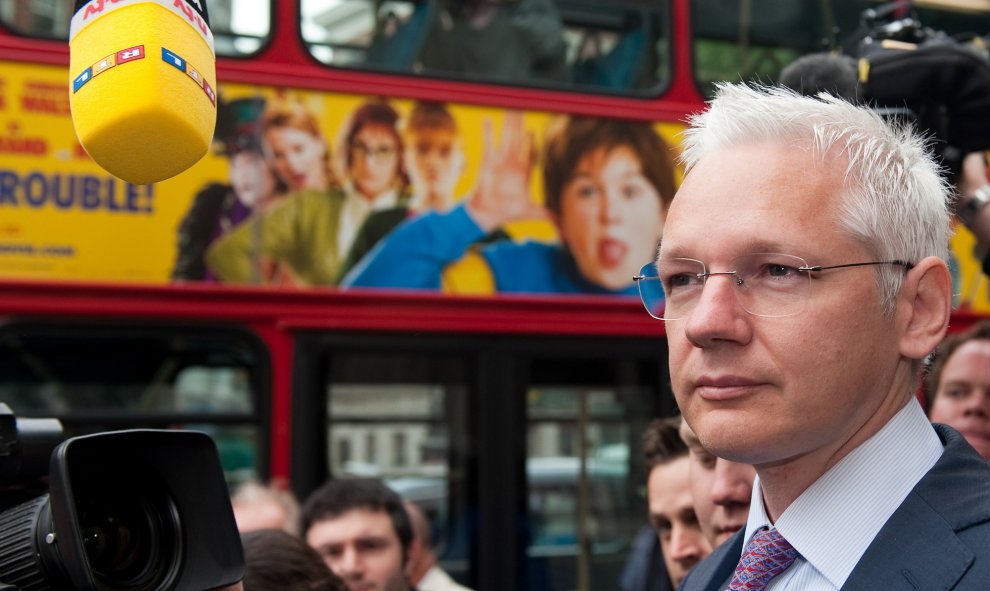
x,y
783,482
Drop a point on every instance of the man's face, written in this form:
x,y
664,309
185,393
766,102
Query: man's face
x,y
962,400
721,490
362,548
790,391
672,516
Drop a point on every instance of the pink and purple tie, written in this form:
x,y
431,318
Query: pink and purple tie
x,y
767,555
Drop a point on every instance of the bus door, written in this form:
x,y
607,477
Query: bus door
x,y
524,452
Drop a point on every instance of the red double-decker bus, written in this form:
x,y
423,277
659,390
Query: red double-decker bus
x,y
510,402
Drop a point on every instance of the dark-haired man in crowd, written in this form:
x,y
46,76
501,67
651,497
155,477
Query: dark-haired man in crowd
x,y
668,491
362,531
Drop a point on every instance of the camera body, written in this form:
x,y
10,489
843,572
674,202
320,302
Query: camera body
x,y
941,82
138,510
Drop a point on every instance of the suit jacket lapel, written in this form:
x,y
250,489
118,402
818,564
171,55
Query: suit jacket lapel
x,y
918,548
915,550
714,572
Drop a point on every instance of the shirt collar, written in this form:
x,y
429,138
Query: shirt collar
x,y
834,520
383,200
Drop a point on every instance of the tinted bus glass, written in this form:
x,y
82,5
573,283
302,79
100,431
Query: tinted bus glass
x,y
525,454
400,417
584,468
240,27
99,378
739,40
573,44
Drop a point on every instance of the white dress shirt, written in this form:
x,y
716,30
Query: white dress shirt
x,y
834,521
436,579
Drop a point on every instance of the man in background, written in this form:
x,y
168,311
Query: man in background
x,y
362,531
668,491
957,387
422,566
257,506
720,490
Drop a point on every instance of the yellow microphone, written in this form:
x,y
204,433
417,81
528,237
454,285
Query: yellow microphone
x,y
143,85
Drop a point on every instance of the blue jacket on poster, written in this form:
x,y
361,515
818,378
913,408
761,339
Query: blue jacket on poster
x,y
421,254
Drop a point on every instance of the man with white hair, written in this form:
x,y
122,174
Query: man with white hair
x,y
804,275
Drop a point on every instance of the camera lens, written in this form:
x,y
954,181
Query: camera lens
x,y
131,543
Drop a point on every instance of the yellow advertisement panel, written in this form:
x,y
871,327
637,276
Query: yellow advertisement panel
x,y
306,188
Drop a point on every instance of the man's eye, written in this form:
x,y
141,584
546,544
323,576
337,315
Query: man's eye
x,y
681,280
704,458
370,545
779,270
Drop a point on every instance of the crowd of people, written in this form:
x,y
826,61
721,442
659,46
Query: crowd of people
x,y
349,534
806,296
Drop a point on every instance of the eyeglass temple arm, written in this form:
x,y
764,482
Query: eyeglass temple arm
x,y
907,266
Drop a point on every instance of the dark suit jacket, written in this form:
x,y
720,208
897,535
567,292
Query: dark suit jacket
x,y
939,537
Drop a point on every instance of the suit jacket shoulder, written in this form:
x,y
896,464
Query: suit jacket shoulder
x,y
939,538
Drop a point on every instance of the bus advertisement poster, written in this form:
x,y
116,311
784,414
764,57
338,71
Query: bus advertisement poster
x,y
313,189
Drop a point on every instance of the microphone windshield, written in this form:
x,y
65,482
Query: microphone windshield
x,y
143,85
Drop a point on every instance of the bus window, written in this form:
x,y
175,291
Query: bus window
x,y
100,378
37,18
581,44
584,470
737,40
240,27
400,417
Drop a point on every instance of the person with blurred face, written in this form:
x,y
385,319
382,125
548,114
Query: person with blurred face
x,y
434,161
296,148
957,389
362,531
253,182
372,167
668,493
720,490
607,186
804,281
306,237
257,506
422,567
433,156
219,208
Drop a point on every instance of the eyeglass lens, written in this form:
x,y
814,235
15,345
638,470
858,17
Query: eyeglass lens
x,y
764,284
377,152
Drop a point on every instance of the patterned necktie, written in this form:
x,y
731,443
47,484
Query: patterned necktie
x,y
767,555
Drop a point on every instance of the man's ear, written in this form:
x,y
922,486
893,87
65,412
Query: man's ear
x,y
926,301
414,555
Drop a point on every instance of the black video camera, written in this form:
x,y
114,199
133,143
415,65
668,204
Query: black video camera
x,y
941,82
141,510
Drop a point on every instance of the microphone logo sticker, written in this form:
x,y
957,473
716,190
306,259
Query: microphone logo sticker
x,y
123,56
135,53
172,58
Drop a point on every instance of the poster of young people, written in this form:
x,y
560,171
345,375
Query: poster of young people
x,y
304,189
